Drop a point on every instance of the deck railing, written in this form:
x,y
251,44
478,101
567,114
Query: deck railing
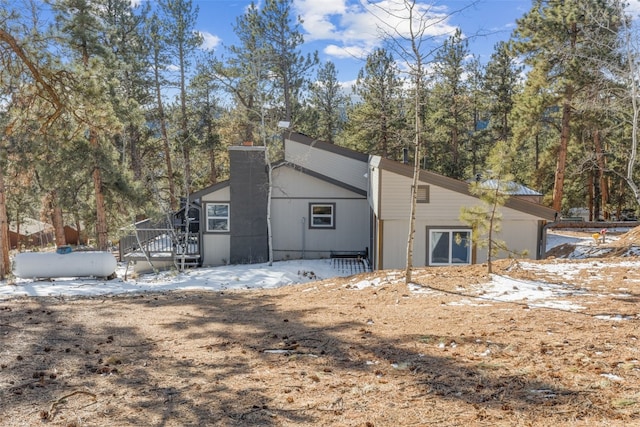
x,y
160,243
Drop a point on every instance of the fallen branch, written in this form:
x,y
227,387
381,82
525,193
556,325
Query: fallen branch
x,y
48,415
9,326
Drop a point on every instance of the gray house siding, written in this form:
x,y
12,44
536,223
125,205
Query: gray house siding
x,y
342,164
295,190
390,194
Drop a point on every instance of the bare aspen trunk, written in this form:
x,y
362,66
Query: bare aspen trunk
x,y
417,75
414,182
604,186
632,78
412,215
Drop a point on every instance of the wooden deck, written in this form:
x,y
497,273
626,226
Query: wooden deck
x,y
161,245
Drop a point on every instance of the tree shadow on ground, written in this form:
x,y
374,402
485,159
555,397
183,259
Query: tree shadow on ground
x,y
240,358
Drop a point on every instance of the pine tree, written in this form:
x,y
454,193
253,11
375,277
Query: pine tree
x,y
131,85
451,114
79,21
181,40
328,102
205,111
291,68
501,84
376,124
562,45
237,75
493,191
159,63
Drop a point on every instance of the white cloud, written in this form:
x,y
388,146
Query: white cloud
x,y
358,26
342,52
209,41
318,16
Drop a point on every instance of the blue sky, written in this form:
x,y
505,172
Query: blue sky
x,y
345,31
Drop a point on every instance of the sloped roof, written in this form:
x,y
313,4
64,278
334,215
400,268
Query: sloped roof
x,y
462,187
512,188
29,226
210,189
343,151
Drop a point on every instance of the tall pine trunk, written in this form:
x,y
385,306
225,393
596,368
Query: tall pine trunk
x,y
55,213
561,165
101,212
173,201
5,263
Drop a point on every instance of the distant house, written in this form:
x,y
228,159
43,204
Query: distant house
x,y
329,201
513,189
30,232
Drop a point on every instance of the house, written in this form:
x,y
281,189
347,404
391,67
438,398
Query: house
x,y
30,232
328,201
513,189
440,237
319,205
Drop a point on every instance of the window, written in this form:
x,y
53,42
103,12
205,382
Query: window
x,y
423,194
449,246
322,215
218,217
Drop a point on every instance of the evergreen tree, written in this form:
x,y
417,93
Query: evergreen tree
x,y
501,82
159,61
131,85
181,40
479,140
283,39
493,190
563,46
205,112
238,76
376,124
328,102
79,21
451,114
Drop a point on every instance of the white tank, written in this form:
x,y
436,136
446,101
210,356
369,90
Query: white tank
x,y
28,265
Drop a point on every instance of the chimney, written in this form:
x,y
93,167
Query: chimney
x,y
248,185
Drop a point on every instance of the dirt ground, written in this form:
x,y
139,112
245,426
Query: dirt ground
x,y
328,354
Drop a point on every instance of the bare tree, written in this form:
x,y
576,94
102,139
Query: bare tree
x,y
631,51
413,29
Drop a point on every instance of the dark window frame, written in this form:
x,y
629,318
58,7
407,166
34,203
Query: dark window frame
x,y
312,215
451,231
